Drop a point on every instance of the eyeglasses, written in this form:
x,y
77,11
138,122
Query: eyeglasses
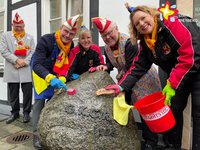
x,y
71,34
110,33
18,26
68,33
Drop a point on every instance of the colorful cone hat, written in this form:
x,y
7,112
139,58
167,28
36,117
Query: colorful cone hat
x,y
72,22
101,23
18,20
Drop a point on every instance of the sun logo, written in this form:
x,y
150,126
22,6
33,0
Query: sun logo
x,y
167,11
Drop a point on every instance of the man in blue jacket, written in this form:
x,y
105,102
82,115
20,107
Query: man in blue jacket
x,y
50,65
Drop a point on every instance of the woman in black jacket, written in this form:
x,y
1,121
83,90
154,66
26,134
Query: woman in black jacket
x,y
85,56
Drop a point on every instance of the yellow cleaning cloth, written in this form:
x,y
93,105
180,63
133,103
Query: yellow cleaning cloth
x,y
121,110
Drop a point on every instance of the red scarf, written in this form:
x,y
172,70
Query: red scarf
x,y
20,46
61,65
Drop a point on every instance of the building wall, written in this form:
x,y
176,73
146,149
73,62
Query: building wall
x,y
116,11
185,7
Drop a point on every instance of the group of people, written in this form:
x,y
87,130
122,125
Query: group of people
x,y
173,46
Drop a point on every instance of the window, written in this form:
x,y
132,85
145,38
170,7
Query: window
x,y
1,17
1,4
55,15
2,23
197,11
76,7
2,11
60,10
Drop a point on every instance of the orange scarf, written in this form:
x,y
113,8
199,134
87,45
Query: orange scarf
x,y
150,41
61,65
20,46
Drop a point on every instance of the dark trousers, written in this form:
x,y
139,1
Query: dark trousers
x,y
128,97
13,97
178,104
148,136
37,108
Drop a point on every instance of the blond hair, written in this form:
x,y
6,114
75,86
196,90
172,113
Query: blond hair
x,y
83,31
134,35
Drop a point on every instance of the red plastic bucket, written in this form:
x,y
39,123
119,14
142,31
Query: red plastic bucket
x,y
158,117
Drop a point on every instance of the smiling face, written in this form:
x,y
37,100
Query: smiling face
x,y
18,28
110,36
85,39
143,22
66,35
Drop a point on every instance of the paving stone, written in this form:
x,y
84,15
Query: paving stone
x,y
8,129
4,145
3,117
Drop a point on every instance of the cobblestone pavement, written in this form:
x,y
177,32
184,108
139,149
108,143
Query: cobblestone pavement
x,y
21,132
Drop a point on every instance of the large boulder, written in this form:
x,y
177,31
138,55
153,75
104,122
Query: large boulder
x,y
84,121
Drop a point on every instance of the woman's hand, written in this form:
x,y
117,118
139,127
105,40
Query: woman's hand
x,y
92,69
115,87
101,68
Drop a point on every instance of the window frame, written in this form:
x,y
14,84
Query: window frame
x,y
196,3
63,13
3,13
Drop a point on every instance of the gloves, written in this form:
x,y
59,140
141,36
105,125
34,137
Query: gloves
x,y
49,77
169,92
63,79
58,84
55,82
92,69
74,76
114,87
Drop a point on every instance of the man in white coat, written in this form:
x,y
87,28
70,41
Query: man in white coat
x,y
17,48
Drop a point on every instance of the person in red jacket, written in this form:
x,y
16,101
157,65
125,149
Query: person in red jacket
x,y
175,47
85,56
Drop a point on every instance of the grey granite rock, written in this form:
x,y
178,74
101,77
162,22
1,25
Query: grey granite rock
x,y
84,121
